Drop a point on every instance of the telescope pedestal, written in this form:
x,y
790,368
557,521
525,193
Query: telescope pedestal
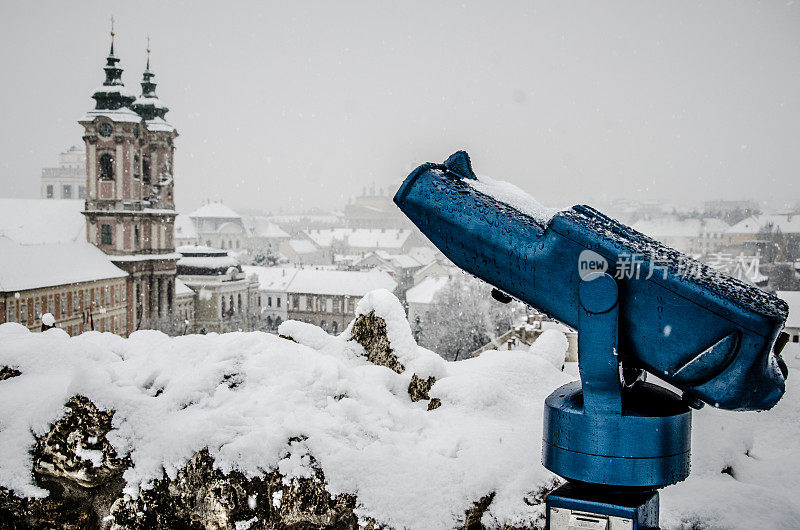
x,y
574,506
616,444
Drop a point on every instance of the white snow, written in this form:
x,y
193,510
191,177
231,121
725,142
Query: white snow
x,y
38,221
271,278
552,346
786,223
408,467
333,282
514,197
48,319
303,246
34,266
376,238
215,210
424,292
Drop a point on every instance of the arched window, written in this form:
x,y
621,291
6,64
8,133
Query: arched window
x,y
146,169
106,166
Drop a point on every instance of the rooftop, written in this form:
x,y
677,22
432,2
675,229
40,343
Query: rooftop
x,y
38,221
332,282
215,210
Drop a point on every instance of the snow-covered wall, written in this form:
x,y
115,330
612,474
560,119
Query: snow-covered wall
x,y
310,410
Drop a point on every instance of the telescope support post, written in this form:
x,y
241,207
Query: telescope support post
x,y
600,506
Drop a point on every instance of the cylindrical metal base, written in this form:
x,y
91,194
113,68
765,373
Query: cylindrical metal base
x,y
646,446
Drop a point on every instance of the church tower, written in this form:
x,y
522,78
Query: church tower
x,y
129,210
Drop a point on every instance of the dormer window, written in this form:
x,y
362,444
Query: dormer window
x,y
106,166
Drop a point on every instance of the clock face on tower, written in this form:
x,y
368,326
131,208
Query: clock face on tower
x,y
105,129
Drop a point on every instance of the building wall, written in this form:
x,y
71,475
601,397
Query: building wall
x,y
100,305
331,313
213,309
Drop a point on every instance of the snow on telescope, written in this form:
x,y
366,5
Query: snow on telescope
x,y
708,334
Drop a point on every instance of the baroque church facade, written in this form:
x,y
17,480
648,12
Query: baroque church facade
x,y
130,209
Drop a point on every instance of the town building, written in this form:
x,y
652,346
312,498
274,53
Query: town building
x,y
374,210
775,236
217,226
68,180
129,206
272,286
226,299
49,267
363,240
305,252
688,235
327,298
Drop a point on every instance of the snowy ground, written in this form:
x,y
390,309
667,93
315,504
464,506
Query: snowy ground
x,y
244,395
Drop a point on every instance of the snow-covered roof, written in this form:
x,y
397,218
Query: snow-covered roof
x,y
272,278
259,226
195,249
793,299
359,237
181,289
159,124
120,115
668,227
184,227
424,292
39,221
215,210
332,282
787,223
32,266
302,246
424,255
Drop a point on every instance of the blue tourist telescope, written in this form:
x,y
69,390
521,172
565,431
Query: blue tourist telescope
x,y
639,307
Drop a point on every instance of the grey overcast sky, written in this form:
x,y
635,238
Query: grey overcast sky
x,y
299,104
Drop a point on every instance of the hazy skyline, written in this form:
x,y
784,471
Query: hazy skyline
x,y
303,104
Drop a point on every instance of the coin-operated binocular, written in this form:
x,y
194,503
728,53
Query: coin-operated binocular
x,y
639,307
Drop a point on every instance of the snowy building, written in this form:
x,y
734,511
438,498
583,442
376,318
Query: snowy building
x,y
185,232
73,281
129,206
741,267
363,240
374,210
305,252
218,226
792,326
327,298
49,267
68,180
263,236
226,298
690,236
775,236
272,285
420,297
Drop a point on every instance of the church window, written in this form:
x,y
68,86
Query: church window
x,y
105,235
106,166
146,169
66,191
137,167
136,234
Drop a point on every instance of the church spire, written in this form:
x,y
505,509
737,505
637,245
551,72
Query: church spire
x,y
112,95
148,106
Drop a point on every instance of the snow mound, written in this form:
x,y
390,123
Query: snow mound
x,y
514,197
249,397
552,345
